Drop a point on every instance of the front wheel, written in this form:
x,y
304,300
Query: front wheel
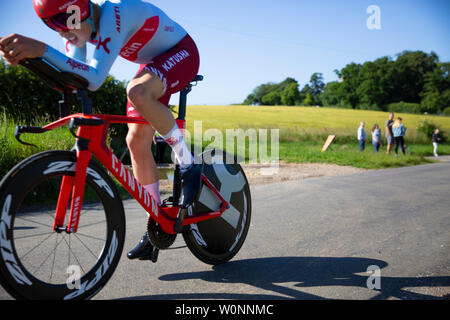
x,y
218,240
35,261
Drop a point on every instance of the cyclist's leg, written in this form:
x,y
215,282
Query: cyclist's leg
x,y
149,95
150,92
139,140
145,94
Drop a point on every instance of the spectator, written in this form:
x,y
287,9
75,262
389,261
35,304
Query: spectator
x,y
362,137
398,131
436,137
376,138
389,135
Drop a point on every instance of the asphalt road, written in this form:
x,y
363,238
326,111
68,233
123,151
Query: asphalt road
x,y
315,239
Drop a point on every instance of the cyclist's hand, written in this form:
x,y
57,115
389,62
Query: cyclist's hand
x,y
16,47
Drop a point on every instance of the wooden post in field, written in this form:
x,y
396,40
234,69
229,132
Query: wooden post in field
x,y
328,143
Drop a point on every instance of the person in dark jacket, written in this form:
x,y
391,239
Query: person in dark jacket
x,y
436,138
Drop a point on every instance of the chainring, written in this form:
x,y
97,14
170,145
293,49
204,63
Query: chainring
x,y
158,238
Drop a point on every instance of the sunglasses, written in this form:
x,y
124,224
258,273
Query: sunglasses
x,y
59,22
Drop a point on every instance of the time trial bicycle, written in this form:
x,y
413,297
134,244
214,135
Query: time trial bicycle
x,y
60,211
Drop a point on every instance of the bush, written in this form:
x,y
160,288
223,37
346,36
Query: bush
x,y
370,107
24,97
12,152
446,112
405,107
426,128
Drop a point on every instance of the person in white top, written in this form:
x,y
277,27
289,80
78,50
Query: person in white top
x,y
362,137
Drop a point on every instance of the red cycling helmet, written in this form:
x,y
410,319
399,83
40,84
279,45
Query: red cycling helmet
x,y
54,12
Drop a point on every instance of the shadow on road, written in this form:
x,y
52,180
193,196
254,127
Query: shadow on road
x,y
271,273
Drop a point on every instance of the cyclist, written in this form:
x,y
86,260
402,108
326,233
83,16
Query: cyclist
x,y
139,32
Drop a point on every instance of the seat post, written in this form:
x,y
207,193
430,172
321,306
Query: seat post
x,y
86,102
66,103
182,118
183,97
183,101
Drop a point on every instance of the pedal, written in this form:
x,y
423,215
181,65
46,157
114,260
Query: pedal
x,y
178,227
153,257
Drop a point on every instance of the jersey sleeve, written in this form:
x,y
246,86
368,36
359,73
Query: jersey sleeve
x,y
107,49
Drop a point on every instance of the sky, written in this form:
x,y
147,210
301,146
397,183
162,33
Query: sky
x,y
244,43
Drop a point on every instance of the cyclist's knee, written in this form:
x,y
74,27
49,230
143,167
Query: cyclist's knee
x,y
137,94
141,91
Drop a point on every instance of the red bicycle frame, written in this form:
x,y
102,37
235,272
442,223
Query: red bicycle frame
x,y
91,135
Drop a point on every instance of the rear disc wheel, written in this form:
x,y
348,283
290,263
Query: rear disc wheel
x,y
218,240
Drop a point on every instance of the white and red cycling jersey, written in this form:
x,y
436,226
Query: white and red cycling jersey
x,y
139,32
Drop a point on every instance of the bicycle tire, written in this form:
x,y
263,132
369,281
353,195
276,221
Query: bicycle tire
x,y
218,240
22,220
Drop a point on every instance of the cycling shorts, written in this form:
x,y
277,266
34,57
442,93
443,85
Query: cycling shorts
x,y
176,68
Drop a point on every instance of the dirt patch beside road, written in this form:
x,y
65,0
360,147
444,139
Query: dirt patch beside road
x,y
258,174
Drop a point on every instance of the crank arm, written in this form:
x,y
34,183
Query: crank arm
x,y
178,227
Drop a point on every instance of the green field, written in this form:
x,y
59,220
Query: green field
x,y
300,119
303,131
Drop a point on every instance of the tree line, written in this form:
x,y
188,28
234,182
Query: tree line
x,y
414,82
25,97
